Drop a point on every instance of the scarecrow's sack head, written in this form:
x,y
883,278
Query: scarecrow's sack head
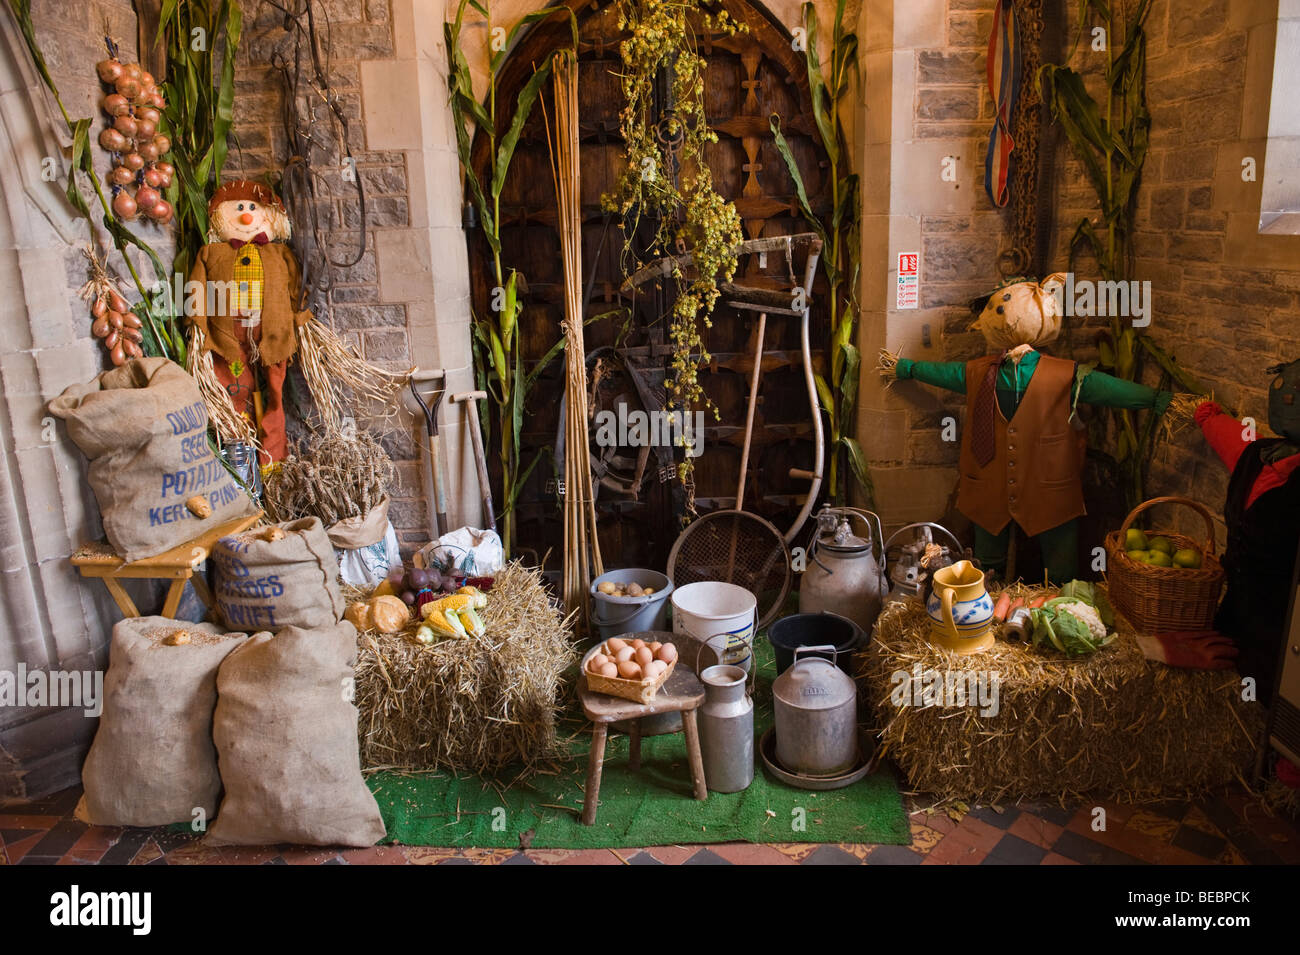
x,y
1023,313
241,209
1284,400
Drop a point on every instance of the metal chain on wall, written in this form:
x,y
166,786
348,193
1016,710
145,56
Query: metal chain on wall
x,y
1022,255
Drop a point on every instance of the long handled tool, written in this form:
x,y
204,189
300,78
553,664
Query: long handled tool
x,y
426,398
470,400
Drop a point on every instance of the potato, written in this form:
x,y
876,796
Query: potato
x,y
606,587
198,506
647,591
634,589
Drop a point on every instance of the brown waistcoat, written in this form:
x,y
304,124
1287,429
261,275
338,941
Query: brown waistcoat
x,y
1035,475
280,283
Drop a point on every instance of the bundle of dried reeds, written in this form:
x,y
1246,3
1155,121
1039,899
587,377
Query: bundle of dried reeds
x,y
582,561
476,704
333,477
1112,724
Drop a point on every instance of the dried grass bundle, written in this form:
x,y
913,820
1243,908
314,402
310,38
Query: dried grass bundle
x,y
1179,414
1111,725
230,425
334,477
469,705
887,365
332,368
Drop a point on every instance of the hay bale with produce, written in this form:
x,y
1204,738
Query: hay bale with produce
x,y
1110,724
473,703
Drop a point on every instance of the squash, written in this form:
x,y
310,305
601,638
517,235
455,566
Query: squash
x,y
385,614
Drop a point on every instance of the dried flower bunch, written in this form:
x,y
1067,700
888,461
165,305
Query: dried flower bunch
x,y
344,475
667,177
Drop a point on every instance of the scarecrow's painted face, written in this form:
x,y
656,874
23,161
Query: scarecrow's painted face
x,y
243,219
1284,401
1024,313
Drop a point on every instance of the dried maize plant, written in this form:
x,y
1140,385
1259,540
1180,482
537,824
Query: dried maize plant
x,y
333,477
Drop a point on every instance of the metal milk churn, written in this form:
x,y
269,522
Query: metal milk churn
x,y
843,575
726,730
816,710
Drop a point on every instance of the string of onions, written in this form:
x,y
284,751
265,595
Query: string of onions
x,y
582,560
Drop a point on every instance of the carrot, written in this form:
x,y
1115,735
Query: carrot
x,y
1002,606
1038,601
1016,605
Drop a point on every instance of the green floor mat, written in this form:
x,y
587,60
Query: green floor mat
x,y
650,807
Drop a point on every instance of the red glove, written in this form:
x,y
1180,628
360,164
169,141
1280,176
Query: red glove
x,y
1287,773
1206,410
1206,650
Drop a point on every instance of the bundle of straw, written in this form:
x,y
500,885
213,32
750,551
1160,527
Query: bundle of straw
x,y
330,366
475,704
333,477
582,561
230,425
1112,724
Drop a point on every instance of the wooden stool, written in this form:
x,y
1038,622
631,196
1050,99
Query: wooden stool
x,y
178,565
683,693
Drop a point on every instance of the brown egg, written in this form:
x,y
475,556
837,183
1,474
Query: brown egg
x,y
644,655
598,661
627,653
614,644
609,670
629,670
654,668
667,653
654,647
638,644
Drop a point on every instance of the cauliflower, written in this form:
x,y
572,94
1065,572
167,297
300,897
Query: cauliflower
x,y
1071,626
1088,615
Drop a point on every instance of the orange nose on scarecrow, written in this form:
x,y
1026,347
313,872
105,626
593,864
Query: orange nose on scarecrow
x,y
246,218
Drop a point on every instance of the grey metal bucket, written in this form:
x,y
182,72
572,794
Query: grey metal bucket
x,y
614,616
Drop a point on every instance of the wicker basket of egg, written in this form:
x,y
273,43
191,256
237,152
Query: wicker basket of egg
x,y
629,669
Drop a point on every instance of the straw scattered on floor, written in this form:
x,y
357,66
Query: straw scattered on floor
x,y
1110,725
474,704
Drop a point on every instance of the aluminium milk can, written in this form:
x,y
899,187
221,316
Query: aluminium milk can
x,y
726,730
816,715
843,575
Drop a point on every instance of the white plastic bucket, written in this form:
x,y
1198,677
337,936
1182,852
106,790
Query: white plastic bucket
x,y
722,615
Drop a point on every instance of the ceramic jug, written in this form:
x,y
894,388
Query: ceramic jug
x,y
960,609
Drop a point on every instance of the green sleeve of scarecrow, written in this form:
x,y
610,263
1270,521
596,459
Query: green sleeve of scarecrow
x,y
950,375
1107,391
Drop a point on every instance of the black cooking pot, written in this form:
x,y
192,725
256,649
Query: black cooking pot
x,y
814,630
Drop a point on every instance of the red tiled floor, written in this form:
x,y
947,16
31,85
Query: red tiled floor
x,y
375,855
16,850
1053,859
978,833
742,853
18,821
1033,829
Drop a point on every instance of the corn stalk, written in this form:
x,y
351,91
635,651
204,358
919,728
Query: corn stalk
x,y
497,346
201,37
841,245
1111,140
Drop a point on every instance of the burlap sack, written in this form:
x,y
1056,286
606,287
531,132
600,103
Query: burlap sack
x,y
143,426
266,585
286,735
152,762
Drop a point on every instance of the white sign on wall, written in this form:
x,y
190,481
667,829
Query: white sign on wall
x,y
909,280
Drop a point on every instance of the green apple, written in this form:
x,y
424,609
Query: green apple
x,y
1164,545
1188,557
1159,558
1135,540
1139,555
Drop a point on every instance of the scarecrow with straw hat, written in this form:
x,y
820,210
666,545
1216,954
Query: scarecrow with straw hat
x,y
247,326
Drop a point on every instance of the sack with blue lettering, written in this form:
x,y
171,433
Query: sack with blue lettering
x,y
144,428
285,575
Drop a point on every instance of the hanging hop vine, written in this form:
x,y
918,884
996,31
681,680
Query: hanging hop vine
x,y
675,184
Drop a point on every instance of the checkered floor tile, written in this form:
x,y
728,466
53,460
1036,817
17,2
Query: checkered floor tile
x,y
1230,828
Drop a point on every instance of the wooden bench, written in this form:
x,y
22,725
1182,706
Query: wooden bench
x,y
178,565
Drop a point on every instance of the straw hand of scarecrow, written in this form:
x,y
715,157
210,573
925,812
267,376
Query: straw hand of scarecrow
x,y
887,365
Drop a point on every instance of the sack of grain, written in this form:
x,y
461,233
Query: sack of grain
x,y
152,762
144,428
282,576
366,547
286,735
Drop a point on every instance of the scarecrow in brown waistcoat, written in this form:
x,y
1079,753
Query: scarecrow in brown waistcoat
x,y
247,314
246,326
